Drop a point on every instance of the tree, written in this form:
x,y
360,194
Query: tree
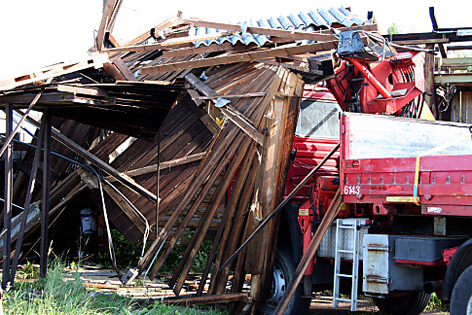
x,y
393,29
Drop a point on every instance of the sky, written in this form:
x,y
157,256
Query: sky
x,y
36,33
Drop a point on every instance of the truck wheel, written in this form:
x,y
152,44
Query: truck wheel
x,y
404,305
284,268
461,300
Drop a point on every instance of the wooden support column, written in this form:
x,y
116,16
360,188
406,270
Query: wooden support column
x,y
8,195
29,194
307,258
430,97
45,205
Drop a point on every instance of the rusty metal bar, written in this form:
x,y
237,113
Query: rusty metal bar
x,y
8,194
46,193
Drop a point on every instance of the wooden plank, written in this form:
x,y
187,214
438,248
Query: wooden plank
x,y
217,162
457,62
119,63
206,299
97,92
422,41
107,13
237,118
165,164
203,116
212,165
96,62
215,96
28,198
240,57
307,258
188,51
220,239
429,96
125,180
170,43
189,256
126,208
281,205
292,34
8,198
162,26
46,197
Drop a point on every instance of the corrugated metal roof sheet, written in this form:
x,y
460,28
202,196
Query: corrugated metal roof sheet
x,y
304,21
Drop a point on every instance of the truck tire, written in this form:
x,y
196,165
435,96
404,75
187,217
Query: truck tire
x,y
461,300
404,305
284,268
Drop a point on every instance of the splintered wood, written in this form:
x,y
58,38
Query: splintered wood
x,y
250,176
164,135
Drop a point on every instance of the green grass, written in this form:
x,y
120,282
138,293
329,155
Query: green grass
x,y
55,296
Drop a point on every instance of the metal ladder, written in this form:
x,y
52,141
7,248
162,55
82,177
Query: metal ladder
x,y
352,225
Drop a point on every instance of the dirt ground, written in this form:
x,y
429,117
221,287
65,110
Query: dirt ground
x,y
106,280
324,305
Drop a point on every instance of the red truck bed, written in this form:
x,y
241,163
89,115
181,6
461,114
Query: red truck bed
x,y
370,175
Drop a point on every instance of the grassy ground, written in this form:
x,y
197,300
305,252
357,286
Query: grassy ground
x,y
55,296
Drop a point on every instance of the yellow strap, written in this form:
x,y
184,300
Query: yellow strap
x,y
429,153
416,199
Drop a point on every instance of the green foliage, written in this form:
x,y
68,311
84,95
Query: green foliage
x,y
436,304
393,29
28,271
126,254
177,253
64,294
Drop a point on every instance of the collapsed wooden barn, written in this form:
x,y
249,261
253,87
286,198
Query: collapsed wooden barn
x,y
190,132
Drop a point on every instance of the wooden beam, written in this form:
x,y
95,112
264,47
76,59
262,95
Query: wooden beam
x,y
236,117
190,254
107,14
125,180
292,34
205,299
96,92
215,96
421,41
162,26
53,71
281,205
126,208
8,198
452,78
165,164
46,198
119,63
240,57
457,62
174,42
307,258
28,198
187,51
429,81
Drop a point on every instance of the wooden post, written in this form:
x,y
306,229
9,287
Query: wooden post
x,y
46,194
8,194
311,250
29,194
430,96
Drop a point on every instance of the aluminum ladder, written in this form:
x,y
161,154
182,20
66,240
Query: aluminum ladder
x,y
350,229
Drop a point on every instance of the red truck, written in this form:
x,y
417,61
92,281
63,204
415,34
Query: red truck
x,y
403,231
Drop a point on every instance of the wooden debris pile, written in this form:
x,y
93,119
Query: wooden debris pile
x,y
200,137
